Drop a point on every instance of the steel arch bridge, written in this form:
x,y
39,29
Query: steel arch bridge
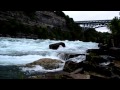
x,y
93,23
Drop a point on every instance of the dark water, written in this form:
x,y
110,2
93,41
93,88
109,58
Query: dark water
x,y
15,72
11,72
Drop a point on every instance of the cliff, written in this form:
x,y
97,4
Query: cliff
x,y
39,18
38,24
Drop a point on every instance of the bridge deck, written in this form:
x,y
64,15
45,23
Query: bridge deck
x,y
93,21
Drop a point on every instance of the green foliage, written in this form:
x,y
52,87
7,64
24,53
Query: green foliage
x,y
114,26
59,13
104,37
90,35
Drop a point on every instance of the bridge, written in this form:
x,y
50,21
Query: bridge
x,y
93,23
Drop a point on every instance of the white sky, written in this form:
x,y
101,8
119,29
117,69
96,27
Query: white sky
x,y
91,15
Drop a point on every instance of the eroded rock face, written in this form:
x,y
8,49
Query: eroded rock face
x,y
41,18
47,63
56,45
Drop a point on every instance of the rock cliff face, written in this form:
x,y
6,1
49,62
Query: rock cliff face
x,y
38,25
40,18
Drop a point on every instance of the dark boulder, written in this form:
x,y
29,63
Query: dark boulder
x,y
93,67
71,66
97,51
115,52
103,46
56,45
99,59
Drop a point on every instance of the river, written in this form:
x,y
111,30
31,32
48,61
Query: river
x,y
15,52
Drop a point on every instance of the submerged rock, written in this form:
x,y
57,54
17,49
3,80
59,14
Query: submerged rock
x,y
66,56
47,63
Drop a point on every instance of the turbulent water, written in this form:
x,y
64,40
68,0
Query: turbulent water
x,y
15,52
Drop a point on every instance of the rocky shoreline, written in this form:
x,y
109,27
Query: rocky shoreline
x,y
102,63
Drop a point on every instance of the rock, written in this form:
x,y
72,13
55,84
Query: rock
x,y
116,70
70,66
97,51
98,76
48,75
79,70
47,63
93,67
103,46
116,63
56,45
79,76
99,59
66,56
115,52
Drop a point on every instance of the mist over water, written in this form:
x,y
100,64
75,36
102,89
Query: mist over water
x,y
103,29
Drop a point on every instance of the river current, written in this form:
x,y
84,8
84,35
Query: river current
x,y
15,52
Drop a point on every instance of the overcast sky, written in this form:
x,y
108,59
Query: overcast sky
x,y
91,15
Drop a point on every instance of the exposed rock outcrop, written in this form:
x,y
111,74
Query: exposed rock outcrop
x,y
39,18
71,66
47,63
56,45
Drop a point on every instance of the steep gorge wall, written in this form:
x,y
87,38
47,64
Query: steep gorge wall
x,y
41,18
38,24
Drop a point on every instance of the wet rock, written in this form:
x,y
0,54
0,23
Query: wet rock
x,y
79,76
116,63
115,52
99,59
66,56
103,46
48,75
97,51
98,77
56,45
46,63
70,66
116,70
103,70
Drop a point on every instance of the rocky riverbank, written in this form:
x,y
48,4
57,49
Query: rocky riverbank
x,y
103,63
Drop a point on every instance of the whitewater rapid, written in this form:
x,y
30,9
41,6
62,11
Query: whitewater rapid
x,y
17,51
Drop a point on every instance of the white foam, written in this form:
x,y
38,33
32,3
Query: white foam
x,y
16,51
103,29
105,63
39,68
78,59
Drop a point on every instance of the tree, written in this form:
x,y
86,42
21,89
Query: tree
x,y
114,26
59,13
90,35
